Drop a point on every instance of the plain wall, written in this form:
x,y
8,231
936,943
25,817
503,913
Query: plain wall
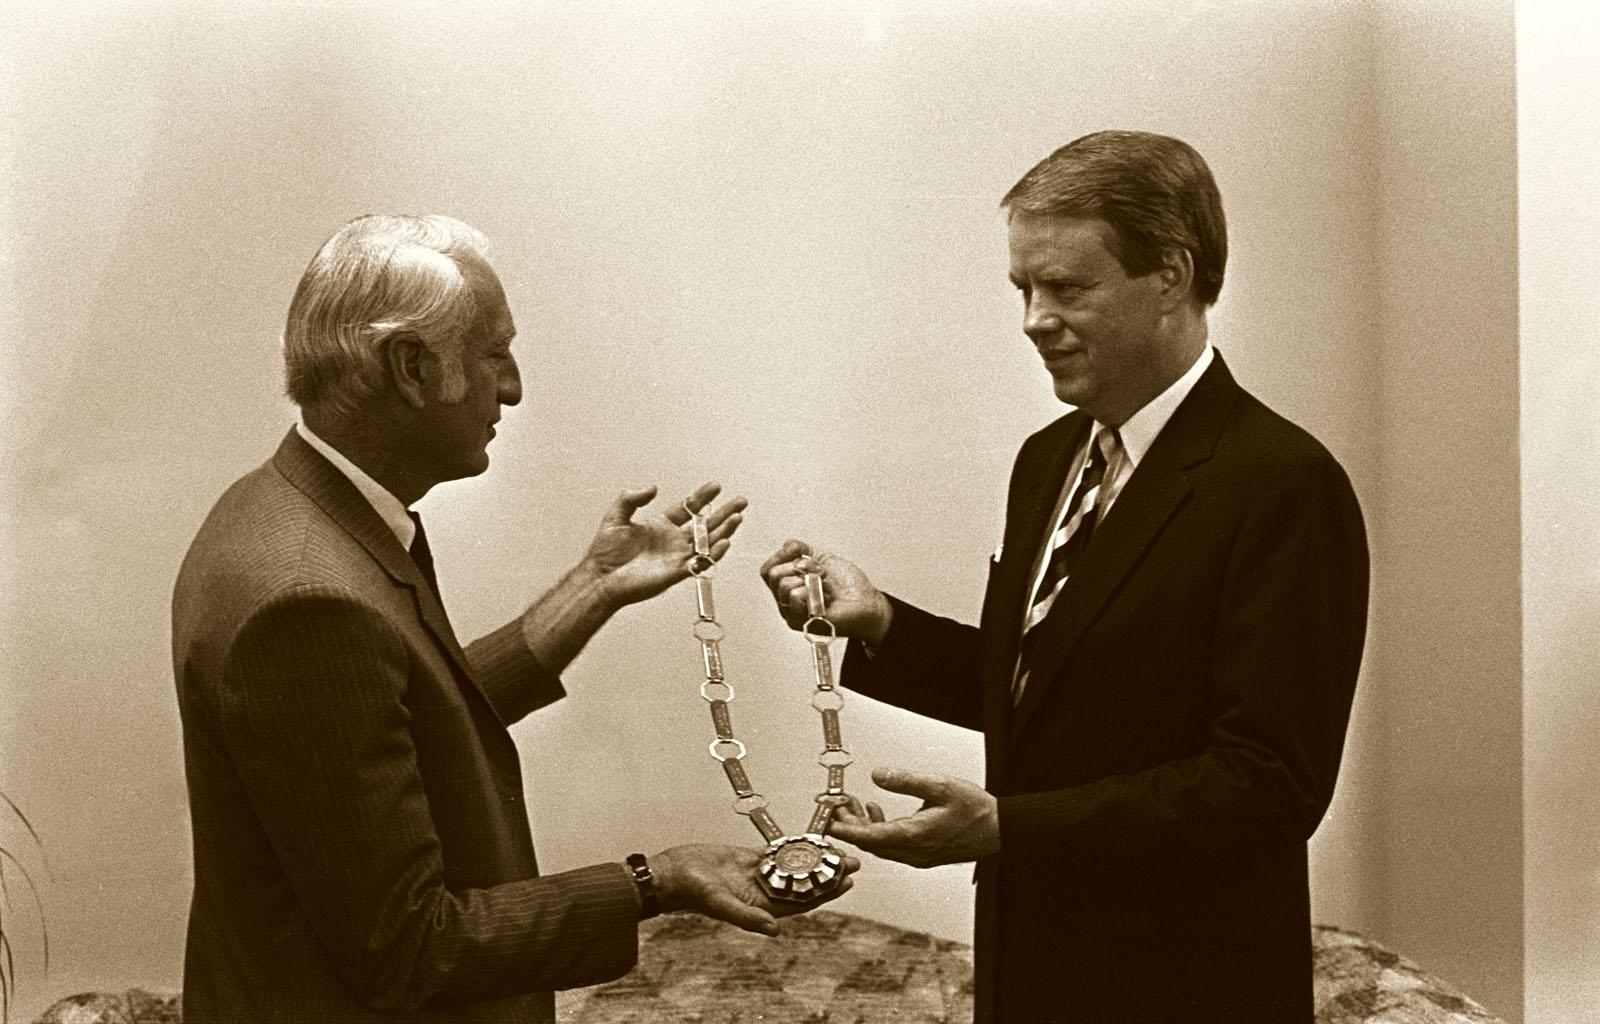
x,y
1446,662
1558,111
757,244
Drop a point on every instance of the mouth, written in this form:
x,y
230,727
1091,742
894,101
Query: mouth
x,y
1055,359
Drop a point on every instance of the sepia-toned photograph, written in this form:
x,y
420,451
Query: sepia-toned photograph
x,y
823,512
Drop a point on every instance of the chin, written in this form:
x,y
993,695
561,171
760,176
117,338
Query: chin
x,y
1070,392
474,467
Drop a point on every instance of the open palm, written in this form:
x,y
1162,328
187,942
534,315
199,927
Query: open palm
x,y
639,558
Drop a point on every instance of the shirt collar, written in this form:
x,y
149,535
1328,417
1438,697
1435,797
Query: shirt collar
x,y
388,507
1142,428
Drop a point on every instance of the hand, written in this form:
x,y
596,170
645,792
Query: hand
x,y
958,821
855,607
720,882
638,560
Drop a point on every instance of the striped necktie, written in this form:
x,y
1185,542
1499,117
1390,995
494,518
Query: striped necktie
x,y
1071,536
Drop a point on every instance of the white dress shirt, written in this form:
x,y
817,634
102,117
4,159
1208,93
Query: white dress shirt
x,y
1138,434
388,507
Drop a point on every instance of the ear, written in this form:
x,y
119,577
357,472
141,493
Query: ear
x,y
1176,278
404,356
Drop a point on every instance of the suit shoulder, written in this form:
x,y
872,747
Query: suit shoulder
x,y
1272,443
263,537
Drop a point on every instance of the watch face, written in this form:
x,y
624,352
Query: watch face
x,y
799,868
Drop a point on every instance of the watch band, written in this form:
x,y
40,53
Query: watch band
x,y
645,881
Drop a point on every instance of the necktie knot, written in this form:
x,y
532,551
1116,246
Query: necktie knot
x,y
1103,450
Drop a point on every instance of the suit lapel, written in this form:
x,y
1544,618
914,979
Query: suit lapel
x,y
333,492
1155,492
1030,507
1029,520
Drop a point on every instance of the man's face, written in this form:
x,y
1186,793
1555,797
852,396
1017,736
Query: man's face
x,y
457,434
1095,327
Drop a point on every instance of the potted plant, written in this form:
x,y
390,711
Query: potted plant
x,y
9,864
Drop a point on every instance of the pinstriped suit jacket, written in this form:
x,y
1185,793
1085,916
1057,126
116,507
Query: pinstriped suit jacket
x,y
361,844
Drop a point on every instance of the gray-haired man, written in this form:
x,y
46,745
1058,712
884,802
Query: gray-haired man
x,y
362,850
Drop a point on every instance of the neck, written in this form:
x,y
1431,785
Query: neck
x,y
1185,338
365,441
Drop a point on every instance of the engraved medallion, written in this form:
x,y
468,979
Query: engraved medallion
x,y
799,869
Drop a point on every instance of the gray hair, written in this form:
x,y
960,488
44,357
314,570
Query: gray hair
x,y
378,277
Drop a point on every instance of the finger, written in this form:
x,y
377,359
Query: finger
x,y
629,502
719,549
875,813
720,514
909,783
781,577
849,865
792,592
846,815
751,919
679,514
873,837
788,552
728,525
702,497
858,835
853,804
844,886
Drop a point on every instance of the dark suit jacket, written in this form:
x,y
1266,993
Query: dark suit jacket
x,y
1181,731
361,844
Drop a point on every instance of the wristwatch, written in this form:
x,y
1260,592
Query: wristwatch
x,y
645,881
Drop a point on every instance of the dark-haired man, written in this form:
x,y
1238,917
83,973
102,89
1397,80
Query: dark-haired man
x,y
361,841
1169,642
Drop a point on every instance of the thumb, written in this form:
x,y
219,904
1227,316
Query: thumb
x,y
917,784
629,502
751,919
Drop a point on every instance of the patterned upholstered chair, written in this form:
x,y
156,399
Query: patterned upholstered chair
x,y
830,968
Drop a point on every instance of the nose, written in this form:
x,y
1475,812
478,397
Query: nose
x,y
509,386
1039,321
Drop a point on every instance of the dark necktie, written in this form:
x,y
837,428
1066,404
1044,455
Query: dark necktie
x,y
423,556
1067,543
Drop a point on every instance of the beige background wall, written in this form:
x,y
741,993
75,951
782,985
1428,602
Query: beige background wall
x,y
758,244
1446,657
1558,113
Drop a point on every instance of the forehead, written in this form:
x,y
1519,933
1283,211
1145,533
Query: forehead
x,y
494,315
1040,241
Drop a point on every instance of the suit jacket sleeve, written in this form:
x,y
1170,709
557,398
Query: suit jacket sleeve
x,y
1287,650
928,664
313,711
511,677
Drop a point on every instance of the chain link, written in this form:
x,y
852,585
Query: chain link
x,y
820,633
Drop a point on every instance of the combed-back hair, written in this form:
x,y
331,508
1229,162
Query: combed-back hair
x,y
1154,192
379,276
